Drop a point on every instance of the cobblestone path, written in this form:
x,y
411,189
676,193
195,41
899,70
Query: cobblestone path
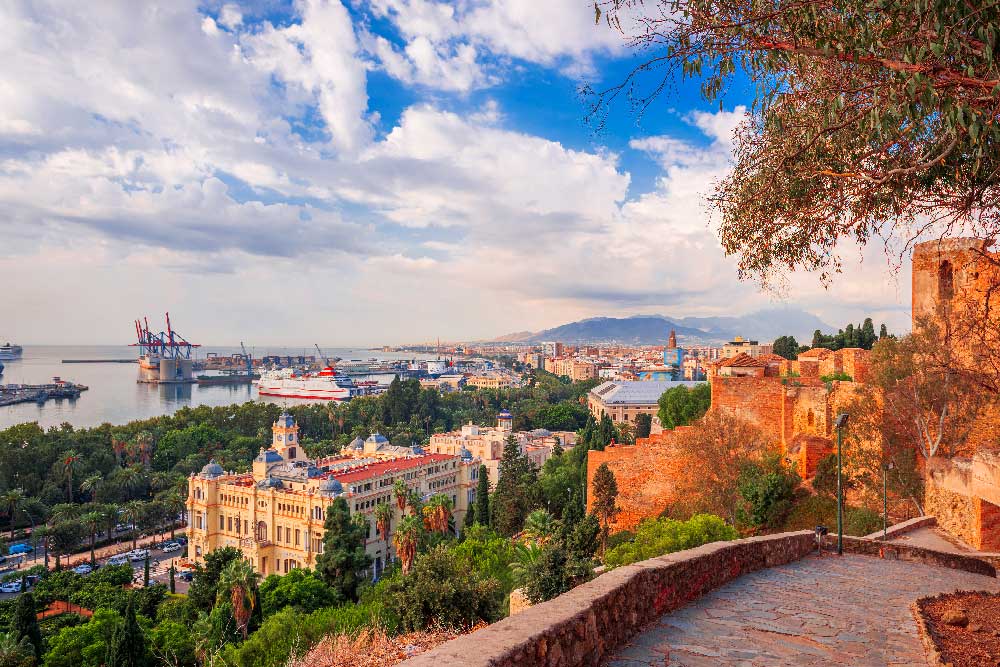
x,y
852,610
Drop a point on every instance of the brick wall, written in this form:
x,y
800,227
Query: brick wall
x,y
955,513
759,401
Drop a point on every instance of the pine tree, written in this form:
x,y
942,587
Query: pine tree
x,y
868,334
516,490
883,332
173,585
470,517
482,511
145,571
25,623
605,432
605,495
127,647
343,561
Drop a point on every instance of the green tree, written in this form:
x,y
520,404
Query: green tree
x,y
132,513
656,537
172,643
24,624
128,643
516,491
768,489
787,347
65,537
84,645
679,406
300,588
854,132
205,582
92,521
343,562
824,481
11,501
440,592
405,540
483,496
605,500
238,586
92,485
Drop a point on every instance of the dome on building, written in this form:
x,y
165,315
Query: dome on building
x,y
357,443
268,456
504,414
270,483
378,439
212,469
418,450
330,487
465,454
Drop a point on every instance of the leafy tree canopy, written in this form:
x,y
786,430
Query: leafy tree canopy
x,y
680,406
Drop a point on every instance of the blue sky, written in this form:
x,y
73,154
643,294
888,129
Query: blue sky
x,y
358,171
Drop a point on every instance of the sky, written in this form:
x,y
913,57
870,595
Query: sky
x,y
359,172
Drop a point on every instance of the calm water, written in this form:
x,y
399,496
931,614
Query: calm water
x,y
115,396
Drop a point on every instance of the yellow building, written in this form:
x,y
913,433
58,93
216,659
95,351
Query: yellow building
x,y
491,381
275,512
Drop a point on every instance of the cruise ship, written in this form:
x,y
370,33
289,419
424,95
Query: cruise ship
x,y
326,385
8,351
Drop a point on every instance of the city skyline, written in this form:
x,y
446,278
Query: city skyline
x,y
360,172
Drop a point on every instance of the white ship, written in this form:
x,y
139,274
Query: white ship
x,y
323,386
8,351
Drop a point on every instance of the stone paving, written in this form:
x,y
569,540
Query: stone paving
x,y
851,610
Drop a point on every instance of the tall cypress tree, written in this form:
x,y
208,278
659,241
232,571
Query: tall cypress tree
x,y
483,497
128,644
25,623
517,490
343,561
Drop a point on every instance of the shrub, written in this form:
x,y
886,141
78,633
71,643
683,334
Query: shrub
x,y
656,537
440,591
768,489
861,521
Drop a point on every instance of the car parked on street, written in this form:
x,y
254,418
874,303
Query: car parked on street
x,y
138,554
170,547
83,568
120,559
187,575
11,587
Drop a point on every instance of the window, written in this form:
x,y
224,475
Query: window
x,y
222,522
230,527
297,536
946,281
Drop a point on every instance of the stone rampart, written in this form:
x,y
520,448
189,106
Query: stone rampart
x,y
979,563
581,627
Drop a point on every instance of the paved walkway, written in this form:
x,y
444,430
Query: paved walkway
x,y
933,538
852,610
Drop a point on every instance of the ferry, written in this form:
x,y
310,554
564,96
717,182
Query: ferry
x,y
8,351
326,385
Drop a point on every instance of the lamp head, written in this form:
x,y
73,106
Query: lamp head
x,y
841,420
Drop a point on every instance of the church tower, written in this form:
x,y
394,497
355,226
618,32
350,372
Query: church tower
x,y
505,421
285,438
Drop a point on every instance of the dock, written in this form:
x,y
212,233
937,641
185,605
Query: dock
x,y
12,394
99,361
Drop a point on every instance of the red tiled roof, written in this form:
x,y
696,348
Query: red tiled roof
x,y
772,358
815,353
384,467
742,360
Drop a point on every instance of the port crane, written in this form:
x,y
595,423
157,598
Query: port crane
x,y
326,362
248,358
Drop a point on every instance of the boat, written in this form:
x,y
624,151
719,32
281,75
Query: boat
x,y
1,368
9,351
327,385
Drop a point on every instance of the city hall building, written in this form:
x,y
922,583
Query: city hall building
x,y
274,514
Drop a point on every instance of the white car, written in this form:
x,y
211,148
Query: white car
x,y
11,587
83,568
120,559
138,554
170,547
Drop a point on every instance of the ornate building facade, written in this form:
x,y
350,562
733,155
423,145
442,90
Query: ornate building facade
x,y
275,512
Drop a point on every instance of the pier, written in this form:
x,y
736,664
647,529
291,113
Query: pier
x,y
12,394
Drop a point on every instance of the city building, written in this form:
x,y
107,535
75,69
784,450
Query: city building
x,y
749,347
623,401
492,380
486,443
275,512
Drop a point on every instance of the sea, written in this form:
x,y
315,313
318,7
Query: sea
x,y
115,397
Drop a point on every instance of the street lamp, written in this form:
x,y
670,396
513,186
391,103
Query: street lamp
x,y
886,467
839,423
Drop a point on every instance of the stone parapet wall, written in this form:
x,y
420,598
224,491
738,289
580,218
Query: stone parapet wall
x,y
980,563
581,627
905,527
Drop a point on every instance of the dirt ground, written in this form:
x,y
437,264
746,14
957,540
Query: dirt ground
x,y
977,644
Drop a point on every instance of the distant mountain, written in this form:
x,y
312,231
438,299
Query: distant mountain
x,y
764,325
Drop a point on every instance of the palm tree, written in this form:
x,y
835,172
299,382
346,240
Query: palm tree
x,y
92,485
71,462
130,479
405,540
132,512
383,517
92,520
65,512
525,556
16,652
11,501
239,582
160,481
111,513
401,492
539,526
175,504
437,513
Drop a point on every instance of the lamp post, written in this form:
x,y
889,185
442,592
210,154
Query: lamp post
x,y
839,423
886,467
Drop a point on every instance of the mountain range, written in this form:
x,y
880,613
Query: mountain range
x,y
762,325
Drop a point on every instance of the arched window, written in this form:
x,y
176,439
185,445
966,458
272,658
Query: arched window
x,y
261,532
946,281
811,419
